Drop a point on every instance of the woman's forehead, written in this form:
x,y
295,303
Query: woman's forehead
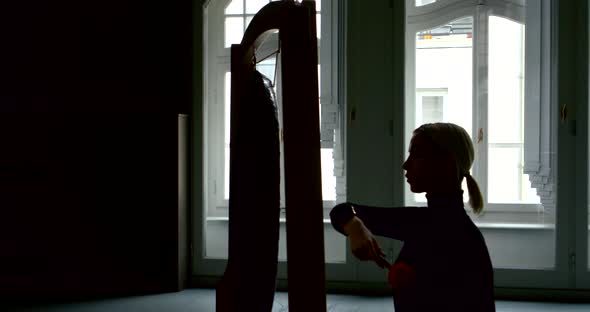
x,y
423,145
417,143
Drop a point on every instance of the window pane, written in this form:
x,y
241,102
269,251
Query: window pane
x,y
267,68
506,181
227,105
319,26
432,109
444,62
505,174
328,178
506,81
248,20
444,75
252,6
234,30
227,110
235,7
226,174
430,105
320,81
506,112
424,2
529,193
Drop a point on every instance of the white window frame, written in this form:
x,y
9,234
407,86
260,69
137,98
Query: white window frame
x,y
538,157
217,63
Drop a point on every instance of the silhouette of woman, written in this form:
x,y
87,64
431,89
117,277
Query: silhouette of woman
x,y
444,264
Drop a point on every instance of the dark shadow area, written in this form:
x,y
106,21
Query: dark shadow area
x,y
89,147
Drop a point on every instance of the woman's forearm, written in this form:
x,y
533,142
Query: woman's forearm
x,y
353,225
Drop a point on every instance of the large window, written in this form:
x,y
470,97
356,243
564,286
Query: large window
x,y
231,18
469,63
470,70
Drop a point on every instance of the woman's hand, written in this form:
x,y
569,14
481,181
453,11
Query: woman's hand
x,y
363,244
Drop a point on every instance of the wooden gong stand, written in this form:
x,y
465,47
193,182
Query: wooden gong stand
x,y
296,24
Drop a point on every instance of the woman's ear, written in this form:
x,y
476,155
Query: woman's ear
x,y
450,161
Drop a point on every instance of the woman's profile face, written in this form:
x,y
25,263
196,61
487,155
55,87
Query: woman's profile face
x,y
418,165
425,167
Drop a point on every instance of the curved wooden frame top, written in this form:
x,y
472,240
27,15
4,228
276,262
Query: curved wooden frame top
x,y
266,21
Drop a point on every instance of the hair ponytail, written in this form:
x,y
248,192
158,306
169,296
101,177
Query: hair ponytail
x,y
475,197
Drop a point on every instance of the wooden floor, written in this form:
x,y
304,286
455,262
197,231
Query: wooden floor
x,y
203,300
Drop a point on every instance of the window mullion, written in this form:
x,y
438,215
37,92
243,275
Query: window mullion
x,y
480,96
244,16
410,95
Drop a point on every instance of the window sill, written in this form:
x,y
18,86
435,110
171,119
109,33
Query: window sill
x,y
515,226
226,219
496,207
499,226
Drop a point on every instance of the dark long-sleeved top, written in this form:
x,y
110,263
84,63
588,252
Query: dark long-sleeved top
x,y
443,246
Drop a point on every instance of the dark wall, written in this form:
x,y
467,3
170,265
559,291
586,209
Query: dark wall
x,y
88,146
108,56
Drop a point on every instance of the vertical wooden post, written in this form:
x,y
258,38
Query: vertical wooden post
x,y
303,184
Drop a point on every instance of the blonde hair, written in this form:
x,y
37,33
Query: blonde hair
x,y
453,139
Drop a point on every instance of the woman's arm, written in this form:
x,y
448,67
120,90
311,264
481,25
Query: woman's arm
x,y
399,223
